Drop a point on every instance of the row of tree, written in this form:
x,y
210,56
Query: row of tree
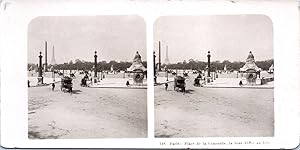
x,y
85,65
217,65
191,64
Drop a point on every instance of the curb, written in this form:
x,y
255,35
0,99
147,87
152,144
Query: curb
x,y
121,87
239,87
162,83
45,84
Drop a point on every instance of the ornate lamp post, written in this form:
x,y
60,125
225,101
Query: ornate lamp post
x,y
154,68
95,65
216,72
208,64
40,75
40,65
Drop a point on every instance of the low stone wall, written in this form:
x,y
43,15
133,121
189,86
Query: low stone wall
x,y
266,80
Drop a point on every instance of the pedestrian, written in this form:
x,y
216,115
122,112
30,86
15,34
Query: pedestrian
x,y
199,76
28,83
166,86
53,86
127,83
241,83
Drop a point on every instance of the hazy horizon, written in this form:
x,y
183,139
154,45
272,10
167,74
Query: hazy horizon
x,y
77,37
227,37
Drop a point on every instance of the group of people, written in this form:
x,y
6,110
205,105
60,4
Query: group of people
x,y
197,80
84,80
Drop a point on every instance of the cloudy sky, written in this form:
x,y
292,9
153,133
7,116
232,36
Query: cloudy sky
x,y
114,37
227,37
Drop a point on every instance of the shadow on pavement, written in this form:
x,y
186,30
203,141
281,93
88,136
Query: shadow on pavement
x,y
189,91
76,91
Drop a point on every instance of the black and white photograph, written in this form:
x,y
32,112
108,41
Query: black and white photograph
x,y
213,76
87,77
166,74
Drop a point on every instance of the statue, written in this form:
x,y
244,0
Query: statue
x,y
250,70
137,69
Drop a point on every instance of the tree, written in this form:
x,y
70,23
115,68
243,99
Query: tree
x,y
265,65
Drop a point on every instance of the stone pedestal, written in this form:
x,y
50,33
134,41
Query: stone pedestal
x,y
40,80
258,81
208,79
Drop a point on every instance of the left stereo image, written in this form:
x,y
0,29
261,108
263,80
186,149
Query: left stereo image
x,y
87,77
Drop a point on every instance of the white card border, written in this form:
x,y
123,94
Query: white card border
x,y
17,15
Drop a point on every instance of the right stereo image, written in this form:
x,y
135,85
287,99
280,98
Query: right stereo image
x,y
213,76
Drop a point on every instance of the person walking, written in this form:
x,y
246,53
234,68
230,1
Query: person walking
x,y
127,83
166,86
241,83
53,86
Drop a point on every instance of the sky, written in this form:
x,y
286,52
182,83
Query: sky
x,y
227,37
77,37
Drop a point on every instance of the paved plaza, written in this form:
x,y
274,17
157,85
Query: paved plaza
x,y
213,112
87,113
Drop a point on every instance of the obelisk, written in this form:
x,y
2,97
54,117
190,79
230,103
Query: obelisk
x,y
159,57
46,65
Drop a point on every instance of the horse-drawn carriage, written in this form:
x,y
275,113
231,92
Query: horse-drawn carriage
x,y
179,83
197,80
84,80
66,84
72,75
185,74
